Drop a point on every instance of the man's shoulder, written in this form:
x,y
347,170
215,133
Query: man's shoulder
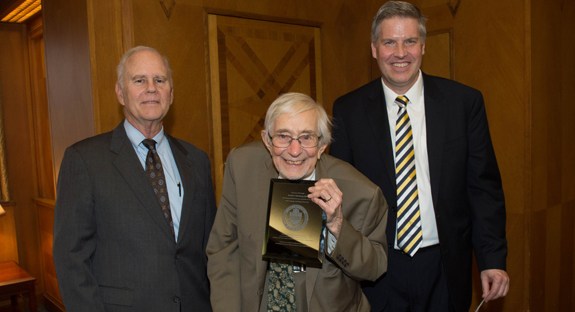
x,y
251,151
446,85
186,146
97,142
363,91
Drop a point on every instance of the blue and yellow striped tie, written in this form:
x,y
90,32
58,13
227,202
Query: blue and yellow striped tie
x,y
409,234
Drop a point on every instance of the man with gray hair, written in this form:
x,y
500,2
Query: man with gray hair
x,y
425,142
135,206
296,135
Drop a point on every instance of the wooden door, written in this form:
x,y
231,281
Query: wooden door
x,y
251,62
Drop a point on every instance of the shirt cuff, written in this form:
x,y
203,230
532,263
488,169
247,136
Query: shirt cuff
x,y
331,241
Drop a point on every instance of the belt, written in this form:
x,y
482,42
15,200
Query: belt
x,y
422,249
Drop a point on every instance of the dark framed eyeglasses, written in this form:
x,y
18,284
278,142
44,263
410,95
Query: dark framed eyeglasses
x,y
305,140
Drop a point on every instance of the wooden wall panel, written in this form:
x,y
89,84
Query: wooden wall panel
x,y
68,73
251,63
46,223
106,49
46,186
553,151
9,250
15,84
437,58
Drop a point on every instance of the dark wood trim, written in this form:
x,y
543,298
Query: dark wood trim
x,y
451,49
46,202
52,305
261,17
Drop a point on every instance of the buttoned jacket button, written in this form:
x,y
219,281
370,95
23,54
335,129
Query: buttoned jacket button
x,y
177,299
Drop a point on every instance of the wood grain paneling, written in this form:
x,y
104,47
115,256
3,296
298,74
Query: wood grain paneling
x,y
106,49
553,154
251,63
46,222
437,58
46,186
9,250
15,84
68,73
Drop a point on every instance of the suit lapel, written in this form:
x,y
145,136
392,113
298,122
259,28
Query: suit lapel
x,y
186,169
376,113
129,166
436,110
263,183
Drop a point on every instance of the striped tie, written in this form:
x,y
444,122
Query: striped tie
x,y
409,235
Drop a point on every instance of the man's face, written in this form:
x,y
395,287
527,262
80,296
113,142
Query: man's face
x,y
398,51
295,162
147,93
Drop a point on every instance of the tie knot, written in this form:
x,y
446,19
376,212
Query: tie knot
x,y
150,144
401,100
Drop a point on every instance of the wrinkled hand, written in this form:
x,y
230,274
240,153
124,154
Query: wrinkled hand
x,y
495,284
327,195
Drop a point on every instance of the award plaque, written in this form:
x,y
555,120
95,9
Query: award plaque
x,y
295,227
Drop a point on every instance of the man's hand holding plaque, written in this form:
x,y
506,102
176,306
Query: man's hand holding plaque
x,y
328,196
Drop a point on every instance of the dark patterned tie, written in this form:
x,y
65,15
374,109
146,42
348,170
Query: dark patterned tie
x,y
155,173
281,290
409,234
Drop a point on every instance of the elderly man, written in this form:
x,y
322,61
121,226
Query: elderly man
x,y
425,141
135,206
295,137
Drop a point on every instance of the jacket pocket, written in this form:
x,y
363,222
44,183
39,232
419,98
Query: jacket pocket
x,y
117,296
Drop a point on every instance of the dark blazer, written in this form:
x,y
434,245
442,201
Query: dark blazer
x,y
113,249
465,181
236,269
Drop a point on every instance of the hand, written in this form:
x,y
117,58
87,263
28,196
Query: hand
x,y
327,195
499,282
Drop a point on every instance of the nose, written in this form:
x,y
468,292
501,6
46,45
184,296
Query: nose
x,y
294,148
401,51
151,87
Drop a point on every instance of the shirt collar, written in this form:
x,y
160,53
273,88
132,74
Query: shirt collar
x,y
311,177
413,94
136,137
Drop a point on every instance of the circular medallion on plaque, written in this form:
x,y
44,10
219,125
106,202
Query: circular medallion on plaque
x,y
295,217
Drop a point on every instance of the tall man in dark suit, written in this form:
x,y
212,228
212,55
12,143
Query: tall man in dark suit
x,y
133,215
425,142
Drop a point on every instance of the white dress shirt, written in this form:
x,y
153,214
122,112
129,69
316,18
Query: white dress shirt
x,y
416,112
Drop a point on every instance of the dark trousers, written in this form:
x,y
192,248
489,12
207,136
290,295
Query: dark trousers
x,y
415,284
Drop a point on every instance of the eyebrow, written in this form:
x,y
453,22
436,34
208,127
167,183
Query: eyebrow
x,y
144,76
289,131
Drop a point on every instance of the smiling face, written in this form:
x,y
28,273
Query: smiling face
x,y
146,93
399,50
295,162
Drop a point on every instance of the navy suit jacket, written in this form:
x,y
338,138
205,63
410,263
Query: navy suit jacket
x,y
465,181
113,249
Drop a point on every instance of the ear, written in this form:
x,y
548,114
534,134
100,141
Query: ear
x,y
321,150
423,49
172,96
120,94
265,139
373,51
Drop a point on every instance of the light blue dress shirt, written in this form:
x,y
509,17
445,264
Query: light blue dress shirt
x,y
173,181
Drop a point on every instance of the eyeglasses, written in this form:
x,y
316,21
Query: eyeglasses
x,y
305,140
